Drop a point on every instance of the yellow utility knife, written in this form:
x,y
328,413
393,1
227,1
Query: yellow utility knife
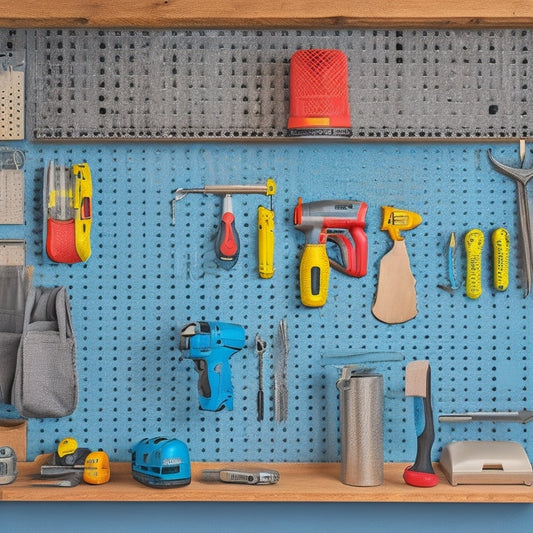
x,y
474,241
81,203
265,235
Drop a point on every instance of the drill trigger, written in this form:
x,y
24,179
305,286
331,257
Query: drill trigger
x,y
204,388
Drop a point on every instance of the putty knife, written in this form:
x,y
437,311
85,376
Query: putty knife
x,y
395,300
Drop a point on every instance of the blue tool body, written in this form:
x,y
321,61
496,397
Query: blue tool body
x,y
161,462
210,345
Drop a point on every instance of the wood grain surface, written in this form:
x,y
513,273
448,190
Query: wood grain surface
x,y
277,13
299,482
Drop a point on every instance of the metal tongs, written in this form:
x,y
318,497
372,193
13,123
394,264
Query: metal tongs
x,y
521,176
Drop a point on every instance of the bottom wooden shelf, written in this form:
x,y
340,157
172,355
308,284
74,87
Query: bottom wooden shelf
x,y
299,482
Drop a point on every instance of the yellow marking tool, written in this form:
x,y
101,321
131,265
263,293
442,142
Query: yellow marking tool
x,y
500,250
474,241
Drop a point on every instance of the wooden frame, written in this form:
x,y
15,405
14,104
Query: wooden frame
x,y
273,14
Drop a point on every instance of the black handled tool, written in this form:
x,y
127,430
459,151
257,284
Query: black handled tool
x,y
260,347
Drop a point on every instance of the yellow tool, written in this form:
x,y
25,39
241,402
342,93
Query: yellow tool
x,y
81,204
68,197
395,300
96,469
341,222
396,220
265,235
500,249
67,447
474,241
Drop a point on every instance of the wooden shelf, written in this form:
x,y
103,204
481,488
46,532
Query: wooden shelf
x,y
299,482
278,13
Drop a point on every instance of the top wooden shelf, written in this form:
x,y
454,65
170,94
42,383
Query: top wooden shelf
x,y
182,14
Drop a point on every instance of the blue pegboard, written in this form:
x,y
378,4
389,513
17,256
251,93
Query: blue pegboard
x,y
147,278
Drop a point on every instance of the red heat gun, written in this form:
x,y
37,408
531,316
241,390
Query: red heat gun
x,y
340,222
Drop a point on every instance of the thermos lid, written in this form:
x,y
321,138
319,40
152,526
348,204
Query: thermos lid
x,y
354,372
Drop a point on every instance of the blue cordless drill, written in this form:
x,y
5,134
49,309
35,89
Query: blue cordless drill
x,y
210,345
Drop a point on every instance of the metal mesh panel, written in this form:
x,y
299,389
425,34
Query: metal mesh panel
x,y
222,84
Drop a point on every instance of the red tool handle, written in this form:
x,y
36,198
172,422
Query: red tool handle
x,y
61,241
227,242
228,245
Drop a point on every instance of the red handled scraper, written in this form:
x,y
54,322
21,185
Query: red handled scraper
x,y
418,385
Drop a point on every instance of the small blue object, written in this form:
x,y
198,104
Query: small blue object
x,y
161,462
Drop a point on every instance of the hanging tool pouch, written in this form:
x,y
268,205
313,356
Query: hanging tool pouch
x,y
45,383
14,286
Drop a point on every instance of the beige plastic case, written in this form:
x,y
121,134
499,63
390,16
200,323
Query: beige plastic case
x,y
486,463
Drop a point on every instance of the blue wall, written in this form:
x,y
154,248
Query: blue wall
x,y
265,517
147,278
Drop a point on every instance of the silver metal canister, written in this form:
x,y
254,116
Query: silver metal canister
x,y
361,407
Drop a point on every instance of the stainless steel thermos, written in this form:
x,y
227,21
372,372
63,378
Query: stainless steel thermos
x,y
361,421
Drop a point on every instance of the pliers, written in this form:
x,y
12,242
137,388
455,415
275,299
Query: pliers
x,y
521,176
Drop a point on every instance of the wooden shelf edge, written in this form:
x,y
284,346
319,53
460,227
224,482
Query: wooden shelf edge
x,y
299,482
275,14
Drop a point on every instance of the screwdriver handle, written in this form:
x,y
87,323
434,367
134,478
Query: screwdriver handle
x,y
314,275
260,404
265,242
227,242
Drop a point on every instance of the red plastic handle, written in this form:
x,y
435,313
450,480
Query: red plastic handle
x,y
420,479
61,241
228,244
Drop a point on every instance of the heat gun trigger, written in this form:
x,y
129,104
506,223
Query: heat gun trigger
x,y
351,246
